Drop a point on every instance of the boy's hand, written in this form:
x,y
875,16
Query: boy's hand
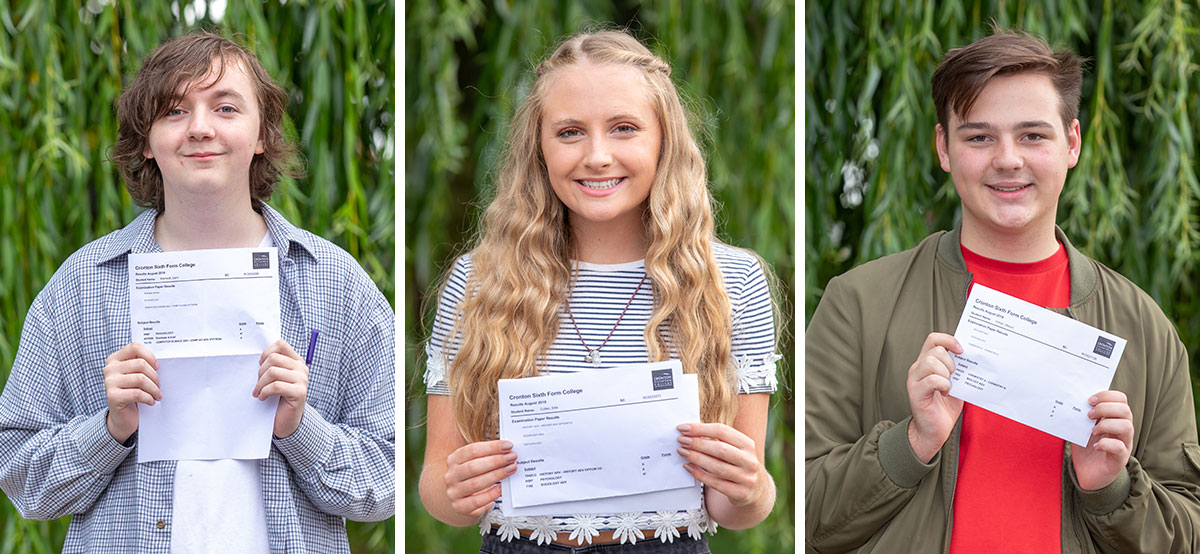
x,y
283,373
130,377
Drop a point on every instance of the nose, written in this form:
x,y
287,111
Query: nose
x,y
199,127
1008,156
599,154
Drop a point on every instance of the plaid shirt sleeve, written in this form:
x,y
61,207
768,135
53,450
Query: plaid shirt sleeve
x,y
344,461
54,460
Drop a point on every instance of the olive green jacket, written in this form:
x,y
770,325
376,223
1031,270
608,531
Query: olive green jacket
x,y
865,490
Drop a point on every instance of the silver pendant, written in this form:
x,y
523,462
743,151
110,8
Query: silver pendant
x,y
593,357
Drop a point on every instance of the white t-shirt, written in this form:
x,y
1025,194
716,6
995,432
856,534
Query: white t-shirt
x,y
218,505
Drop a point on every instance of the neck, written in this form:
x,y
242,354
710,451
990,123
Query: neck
x,y
611,242
200,223
1021,247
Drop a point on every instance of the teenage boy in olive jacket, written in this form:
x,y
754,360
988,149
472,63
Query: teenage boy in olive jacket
x,y
893,463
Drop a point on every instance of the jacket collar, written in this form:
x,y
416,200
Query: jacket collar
x,y
1084,275
138,236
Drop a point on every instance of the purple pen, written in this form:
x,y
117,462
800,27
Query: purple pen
x,y
312,347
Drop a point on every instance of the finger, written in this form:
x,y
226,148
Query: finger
x,y
1118,428
279,347
728,488
1108,396
718,431
930,384
134,374
487,500
722,468
478,483
478,450
277,359
943,340
483,501
131,351
120,398
291,392
1112,410
137,381
483,465
720,450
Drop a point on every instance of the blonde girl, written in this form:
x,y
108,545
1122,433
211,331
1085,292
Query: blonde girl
x,y
598,250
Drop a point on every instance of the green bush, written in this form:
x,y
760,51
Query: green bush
x,y
468,61
61,68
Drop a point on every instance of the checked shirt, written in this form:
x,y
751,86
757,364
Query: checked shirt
x,y
57,457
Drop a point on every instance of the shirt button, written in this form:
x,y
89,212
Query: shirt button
x,y
160,524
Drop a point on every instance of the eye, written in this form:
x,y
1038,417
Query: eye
x,y
570,133
174,112
978,139
625,128
1034,137
227,109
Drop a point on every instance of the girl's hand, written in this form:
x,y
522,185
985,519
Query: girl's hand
x,y
724,459
472,472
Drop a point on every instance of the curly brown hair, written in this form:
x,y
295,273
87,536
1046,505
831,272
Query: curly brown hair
x,y
166,76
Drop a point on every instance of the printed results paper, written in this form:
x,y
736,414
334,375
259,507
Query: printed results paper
x,y
207,315
1032,365
599,441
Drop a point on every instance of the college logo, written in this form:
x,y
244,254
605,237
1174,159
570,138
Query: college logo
x,y
662,379
261,260
1104,347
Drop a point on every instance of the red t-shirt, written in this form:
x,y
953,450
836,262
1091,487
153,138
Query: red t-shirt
x,y
1008,496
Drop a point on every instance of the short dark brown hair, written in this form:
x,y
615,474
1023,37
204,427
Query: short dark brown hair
x,y
963,72
164,79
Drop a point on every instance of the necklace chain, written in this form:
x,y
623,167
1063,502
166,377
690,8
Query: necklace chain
x,y
593,355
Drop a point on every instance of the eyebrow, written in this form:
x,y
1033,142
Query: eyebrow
x,y
981,126
615,118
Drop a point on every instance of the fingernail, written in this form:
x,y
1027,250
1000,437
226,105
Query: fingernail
x,y
683,451
506,445
511,456
685,440
684,428
1092,400
510,468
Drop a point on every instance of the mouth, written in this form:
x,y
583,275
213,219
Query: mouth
x,y
1011,188
202,155
600,184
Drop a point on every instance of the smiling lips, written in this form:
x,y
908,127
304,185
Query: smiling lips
x,y
1013,188
202,155
600,185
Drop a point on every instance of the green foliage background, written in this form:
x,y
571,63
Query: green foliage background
x,y
873,185
468,63
61,68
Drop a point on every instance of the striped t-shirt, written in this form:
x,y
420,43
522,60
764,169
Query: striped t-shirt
x,y
597,298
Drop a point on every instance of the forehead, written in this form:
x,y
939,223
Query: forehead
x,y
587,90
224,75
1014,97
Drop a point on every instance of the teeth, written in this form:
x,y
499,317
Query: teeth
x,y
600,185
1009,189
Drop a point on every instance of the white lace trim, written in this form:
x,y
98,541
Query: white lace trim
x,y
756,372
435,366
628,527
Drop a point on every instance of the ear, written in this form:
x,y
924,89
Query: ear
x,y
258,146
943,149
146,153
1074,143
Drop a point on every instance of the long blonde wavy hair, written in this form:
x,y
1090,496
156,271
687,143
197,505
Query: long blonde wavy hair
x,y
522,273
